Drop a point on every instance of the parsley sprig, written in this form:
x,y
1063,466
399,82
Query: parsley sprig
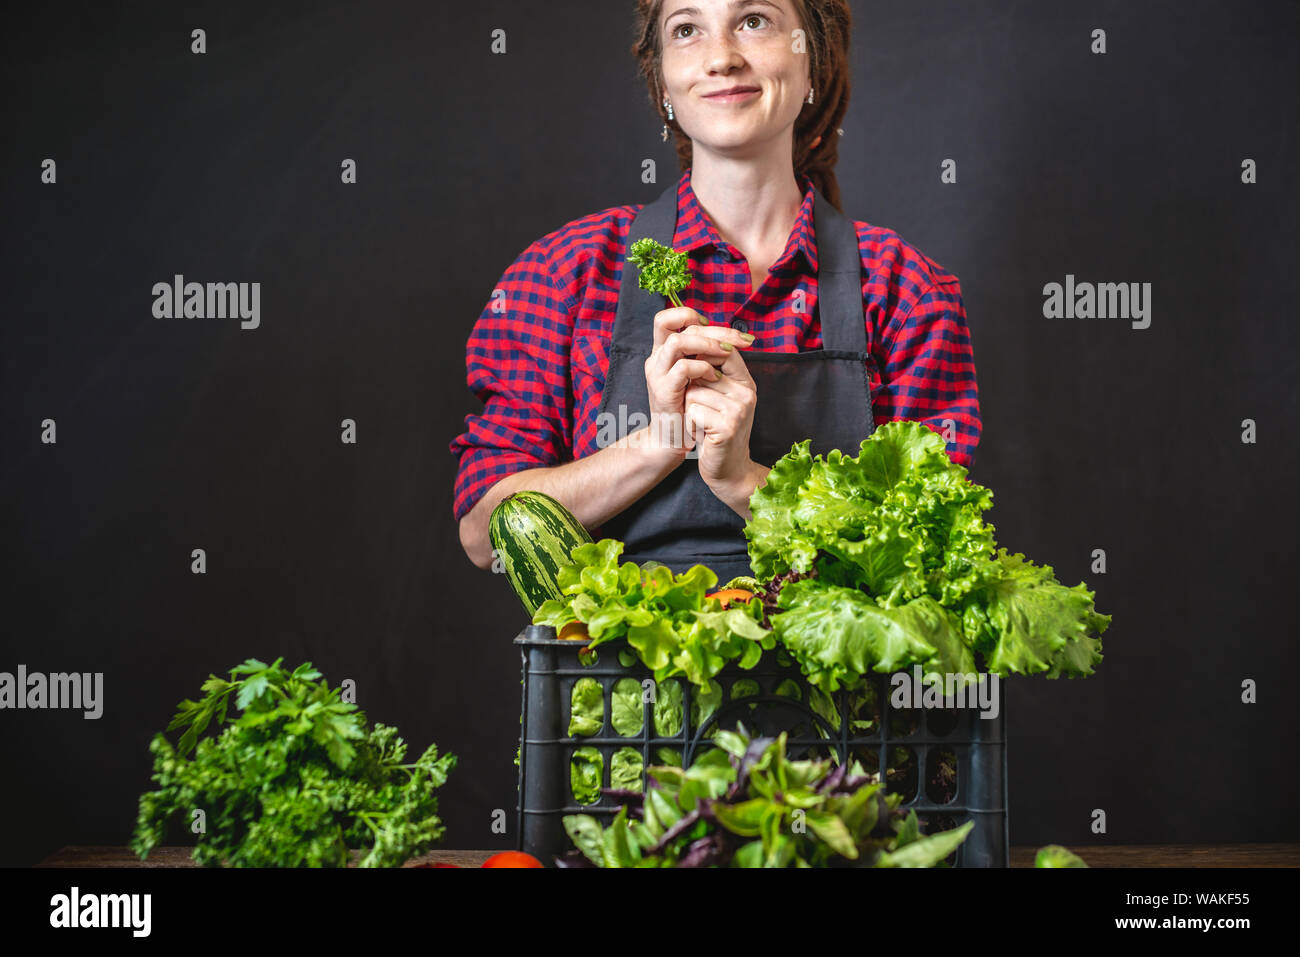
x,y
662,270
297,780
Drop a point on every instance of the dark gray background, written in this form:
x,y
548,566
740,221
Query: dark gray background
x,y
176,434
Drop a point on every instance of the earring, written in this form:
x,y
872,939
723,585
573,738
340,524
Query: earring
x,y
810,96
669,107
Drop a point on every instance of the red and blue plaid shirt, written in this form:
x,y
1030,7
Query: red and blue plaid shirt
x,y
538,355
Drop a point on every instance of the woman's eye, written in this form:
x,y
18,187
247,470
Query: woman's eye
x,y
677,33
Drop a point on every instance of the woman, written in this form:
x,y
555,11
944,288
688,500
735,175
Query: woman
x,y
796,323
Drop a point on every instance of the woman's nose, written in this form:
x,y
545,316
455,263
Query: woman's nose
x,y
722,54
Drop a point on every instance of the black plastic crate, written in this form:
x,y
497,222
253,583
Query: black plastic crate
x,y
910,744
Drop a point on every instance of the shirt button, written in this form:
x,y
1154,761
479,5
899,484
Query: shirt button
x,y
740,325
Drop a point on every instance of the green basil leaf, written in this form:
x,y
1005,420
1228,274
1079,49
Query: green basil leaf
x,y
745,819
585,832
926,851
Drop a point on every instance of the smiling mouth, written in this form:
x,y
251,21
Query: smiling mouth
x,y
731,97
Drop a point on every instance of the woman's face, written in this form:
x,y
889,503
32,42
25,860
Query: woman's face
x,y
714,45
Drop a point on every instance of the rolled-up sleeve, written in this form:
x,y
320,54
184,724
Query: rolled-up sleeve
x,y
517,364
928,370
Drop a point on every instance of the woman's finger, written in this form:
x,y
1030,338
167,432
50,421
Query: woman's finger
x,y
705,397
689,344
673,320
734,373
701,419
737,340
686,371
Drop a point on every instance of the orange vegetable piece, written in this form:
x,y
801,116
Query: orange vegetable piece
x,y
727,595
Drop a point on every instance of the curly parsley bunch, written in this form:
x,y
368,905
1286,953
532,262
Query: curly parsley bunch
x,y
662,270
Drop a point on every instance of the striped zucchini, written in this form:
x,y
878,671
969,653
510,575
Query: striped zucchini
x,y
533,535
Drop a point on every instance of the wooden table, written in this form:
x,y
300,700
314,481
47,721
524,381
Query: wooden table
x,y
1114,855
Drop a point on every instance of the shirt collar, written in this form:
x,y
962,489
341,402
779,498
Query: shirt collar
x,y
696,231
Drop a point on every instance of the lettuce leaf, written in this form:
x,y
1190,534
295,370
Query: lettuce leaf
x,y
585,770
838,635
626,770
627,710
705,701
1032,623
898,521
667,619
586,708
904,569
668,709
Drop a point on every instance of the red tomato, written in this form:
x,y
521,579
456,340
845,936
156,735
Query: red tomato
x,y
512,859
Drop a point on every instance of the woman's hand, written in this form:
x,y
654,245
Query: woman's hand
x,y
687,351
719,419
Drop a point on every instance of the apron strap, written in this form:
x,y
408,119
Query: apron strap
x,y
839,279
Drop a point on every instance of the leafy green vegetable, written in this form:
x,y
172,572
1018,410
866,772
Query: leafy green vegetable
x,y
704,702
1054,855
586,834
669,756
668,709
628,707
667,619
586,708
586,768
625,769
839,634
896,567
1030,622
297,780
789,688
860,704
746,804
661,269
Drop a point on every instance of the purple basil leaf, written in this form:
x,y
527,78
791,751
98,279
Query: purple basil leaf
x,y
573,858
634,800
755,751
833,780
676,831
704,852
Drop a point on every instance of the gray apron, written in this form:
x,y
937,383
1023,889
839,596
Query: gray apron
x,y
822,395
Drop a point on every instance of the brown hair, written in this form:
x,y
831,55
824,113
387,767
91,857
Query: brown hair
x,y
826,25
